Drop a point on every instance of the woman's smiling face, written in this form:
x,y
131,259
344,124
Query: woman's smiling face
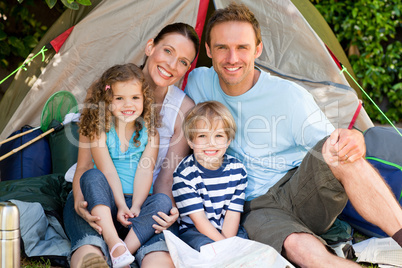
x,y
169,59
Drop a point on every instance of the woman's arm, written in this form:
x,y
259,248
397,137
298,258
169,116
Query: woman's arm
x,y
231,223
84,163
178,149
144,173
204,226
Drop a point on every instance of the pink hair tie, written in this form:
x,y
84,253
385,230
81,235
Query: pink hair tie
x,y
107,87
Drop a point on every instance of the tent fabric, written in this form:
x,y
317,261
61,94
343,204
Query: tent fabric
x,y
293,50
320,26
116,31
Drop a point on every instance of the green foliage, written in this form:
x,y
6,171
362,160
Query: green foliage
x,y
21,30
370,31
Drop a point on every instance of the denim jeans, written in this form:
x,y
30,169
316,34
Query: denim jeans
x,y
96,190
196,239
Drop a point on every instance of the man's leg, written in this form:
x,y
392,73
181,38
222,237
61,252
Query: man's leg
x,y
367,192
298,208
305,250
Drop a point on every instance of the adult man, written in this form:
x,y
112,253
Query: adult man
x,y
294,193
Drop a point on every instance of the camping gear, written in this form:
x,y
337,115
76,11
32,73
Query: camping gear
x,y
232,252
64,147
383,151
28,162
112,32
51,192
56,108
10,254
42,235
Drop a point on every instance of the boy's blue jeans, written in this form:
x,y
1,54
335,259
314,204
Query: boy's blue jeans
x,y
96,190
196,239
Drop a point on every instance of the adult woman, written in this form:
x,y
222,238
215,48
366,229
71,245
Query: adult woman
x,y
168,57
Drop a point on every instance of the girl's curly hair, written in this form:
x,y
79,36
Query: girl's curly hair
x,y
96,116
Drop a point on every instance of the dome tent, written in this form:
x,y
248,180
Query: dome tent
x,y
115,31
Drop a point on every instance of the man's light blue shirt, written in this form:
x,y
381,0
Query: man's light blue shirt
x,y
277,123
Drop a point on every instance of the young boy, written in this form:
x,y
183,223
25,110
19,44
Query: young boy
x,y
208,186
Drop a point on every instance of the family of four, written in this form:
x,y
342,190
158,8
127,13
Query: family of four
x,y
240,152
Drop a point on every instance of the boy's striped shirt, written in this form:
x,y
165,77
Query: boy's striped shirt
x,y
196,188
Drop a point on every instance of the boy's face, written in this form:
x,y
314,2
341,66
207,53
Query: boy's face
x,y
209,143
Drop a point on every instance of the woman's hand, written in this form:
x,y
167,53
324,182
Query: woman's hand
x,y
81,207
164,220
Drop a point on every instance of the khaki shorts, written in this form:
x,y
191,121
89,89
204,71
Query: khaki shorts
x,y
306,200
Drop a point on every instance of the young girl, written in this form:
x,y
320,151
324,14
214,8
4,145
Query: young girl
x,y
119,121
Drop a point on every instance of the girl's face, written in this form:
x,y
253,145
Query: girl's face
x,y
128,101
169,60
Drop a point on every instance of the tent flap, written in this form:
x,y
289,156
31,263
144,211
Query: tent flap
x,y
115,31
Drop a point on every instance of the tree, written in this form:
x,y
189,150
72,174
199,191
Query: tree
x,y
22,25
371,34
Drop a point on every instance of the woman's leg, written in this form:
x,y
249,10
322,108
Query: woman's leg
x,y
99,195
157,244
157,259
141,228
84,239
88,255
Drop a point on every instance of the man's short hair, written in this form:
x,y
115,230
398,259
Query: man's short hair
x,y
233,12
209,112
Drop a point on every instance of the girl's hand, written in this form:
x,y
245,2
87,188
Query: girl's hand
x,y
164,220
123,214
135,210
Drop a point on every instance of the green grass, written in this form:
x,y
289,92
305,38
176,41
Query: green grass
x,y
25,263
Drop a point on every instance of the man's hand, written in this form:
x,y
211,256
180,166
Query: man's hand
x,y
164,220
347,145
81,207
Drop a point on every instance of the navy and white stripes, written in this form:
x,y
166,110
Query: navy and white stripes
x,y
196,188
